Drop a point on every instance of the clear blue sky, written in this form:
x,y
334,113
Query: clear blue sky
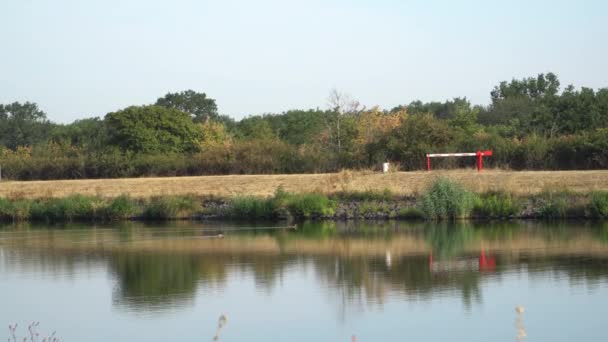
x,y
79,59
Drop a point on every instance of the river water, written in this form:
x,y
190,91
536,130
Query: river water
x,y
385,281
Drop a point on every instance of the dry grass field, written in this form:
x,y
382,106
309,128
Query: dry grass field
x,y
407,183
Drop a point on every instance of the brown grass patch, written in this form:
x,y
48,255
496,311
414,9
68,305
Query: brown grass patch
x,y
404,183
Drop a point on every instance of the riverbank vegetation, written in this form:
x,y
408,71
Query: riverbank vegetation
x,y
531,124
443,200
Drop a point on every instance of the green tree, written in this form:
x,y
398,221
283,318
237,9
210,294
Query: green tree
x,y
442,110
525,104
22,124
152,129
255,127
416,136
299,127
198,105
535,88
88,133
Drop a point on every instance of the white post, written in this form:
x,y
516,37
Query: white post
x,y
385,167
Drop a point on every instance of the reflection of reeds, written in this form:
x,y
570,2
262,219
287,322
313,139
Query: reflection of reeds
x,y
519,324
34,336
220,324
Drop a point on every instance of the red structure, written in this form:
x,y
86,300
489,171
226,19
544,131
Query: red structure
x,y
479,155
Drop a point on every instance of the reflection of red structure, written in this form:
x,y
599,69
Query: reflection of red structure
x,y
484,263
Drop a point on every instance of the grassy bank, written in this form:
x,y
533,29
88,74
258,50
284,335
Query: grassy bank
x,y
443,200
520,183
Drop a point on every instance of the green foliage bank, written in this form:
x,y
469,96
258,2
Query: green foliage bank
x,y
531,124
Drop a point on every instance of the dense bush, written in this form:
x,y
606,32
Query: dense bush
x,y
585,150
446,200
120,208
310,205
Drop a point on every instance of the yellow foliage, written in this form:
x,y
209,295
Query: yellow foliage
x,y
374,124
214,135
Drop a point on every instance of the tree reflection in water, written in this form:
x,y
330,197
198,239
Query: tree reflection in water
x,y
348,261
155,280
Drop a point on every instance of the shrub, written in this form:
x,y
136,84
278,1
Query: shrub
x,y
554,207
21,210
71,208
447,200
251,207
171,207
14,210
598,205
119,208
310,205
6,210
497,205
411,213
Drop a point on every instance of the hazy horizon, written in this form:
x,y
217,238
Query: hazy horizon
x,y
79,60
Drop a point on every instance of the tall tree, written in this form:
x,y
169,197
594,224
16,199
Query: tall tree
x,y
153,129
341,107
198,105
22,124
525,104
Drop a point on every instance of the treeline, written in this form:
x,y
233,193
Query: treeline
x,y
530,124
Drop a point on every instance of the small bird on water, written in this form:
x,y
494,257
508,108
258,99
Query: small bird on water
x,y
519,309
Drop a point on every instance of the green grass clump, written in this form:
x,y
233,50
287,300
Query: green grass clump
x,y
68,209
251,207
311,205
598,205
553,207
411,213
497,205
119,208
171,207
15,210
282,204
447,200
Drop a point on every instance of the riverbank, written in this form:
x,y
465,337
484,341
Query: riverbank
x,y
520,183
443,200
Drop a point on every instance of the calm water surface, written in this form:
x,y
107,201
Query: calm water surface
x,y
322,282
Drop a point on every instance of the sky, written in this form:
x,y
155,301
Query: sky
x,y
80,59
